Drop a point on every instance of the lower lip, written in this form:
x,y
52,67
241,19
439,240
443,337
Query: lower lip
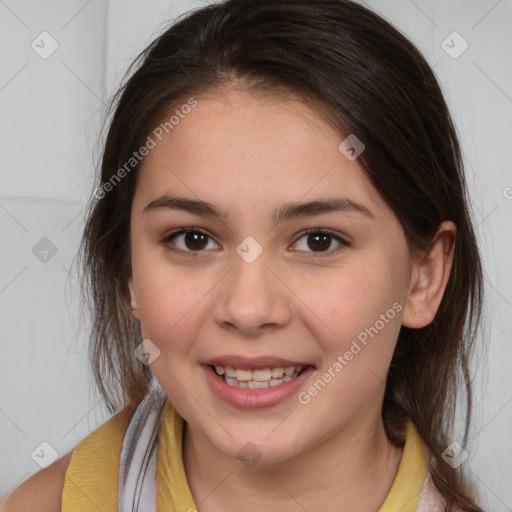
x,y
254,398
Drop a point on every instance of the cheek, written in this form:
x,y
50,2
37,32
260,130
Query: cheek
x,y
162,307
356,315
362,312
170,301
352,299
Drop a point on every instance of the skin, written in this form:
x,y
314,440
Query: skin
x,y
248,153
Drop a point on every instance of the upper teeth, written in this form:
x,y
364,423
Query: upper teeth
x,y
260,375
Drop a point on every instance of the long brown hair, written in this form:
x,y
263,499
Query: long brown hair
x,y
367,79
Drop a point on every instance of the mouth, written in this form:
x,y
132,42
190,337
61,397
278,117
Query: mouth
x,y
259,378
255,383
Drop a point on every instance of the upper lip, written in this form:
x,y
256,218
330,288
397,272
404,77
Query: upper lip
x,y
248,363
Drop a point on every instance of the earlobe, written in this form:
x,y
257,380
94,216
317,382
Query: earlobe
x,y
429,278
133,299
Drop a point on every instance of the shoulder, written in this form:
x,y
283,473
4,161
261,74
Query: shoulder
x,y
41,492
44,491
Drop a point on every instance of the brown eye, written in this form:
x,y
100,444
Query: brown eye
x,y
191,240
320,241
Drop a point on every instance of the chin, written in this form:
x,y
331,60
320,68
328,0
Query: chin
x,y
258,449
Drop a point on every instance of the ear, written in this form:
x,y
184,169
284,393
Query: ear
x,y
133,299
429,278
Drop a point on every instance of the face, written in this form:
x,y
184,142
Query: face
x,y
252,293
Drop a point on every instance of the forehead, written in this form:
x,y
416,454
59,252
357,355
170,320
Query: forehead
x,y
242,150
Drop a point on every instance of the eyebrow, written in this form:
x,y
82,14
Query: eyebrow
x,y
282,213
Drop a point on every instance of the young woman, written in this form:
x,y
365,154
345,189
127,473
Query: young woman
x,y
283,273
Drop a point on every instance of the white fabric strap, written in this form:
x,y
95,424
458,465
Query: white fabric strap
x,y
430,498
137,468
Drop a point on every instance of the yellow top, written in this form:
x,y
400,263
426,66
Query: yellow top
x,y
92,477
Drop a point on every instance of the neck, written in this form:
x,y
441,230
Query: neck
x,y
354,468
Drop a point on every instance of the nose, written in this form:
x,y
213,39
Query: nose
x,y
251,299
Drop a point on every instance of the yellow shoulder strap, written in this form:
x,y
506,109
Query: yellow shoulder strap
x,y
406,489
172,490
92,477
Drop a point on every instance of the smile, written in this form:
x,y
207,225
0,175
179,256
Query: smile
x,y
261,386
257,379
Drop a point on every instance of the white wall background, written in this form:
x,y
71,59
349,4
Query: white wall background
x,y
50,114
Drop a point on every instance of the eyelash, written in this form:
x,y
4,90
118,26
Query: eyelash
x,y
324,254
